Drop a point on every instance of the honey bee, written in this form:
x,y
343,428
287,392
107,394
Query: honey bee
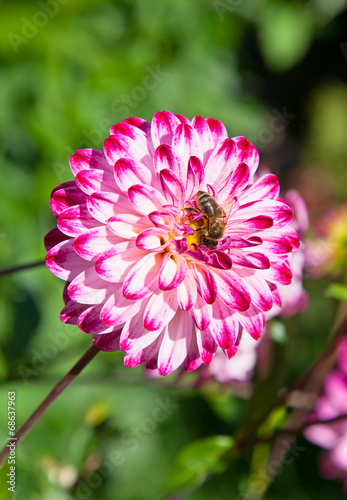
x,y
214,225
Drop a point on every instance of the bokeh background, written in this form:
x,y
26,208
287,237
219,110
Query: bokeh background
x,y
272,70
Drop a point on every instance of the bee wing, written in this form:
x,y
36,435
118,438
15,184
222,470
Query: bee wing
x,y
230,206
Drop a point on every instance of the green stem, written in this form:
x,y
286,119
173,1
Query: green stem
x,y
10,270
52,396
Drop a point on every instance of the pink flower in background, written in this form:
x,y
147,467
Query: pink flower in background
x,y
332,437
294,300
169,246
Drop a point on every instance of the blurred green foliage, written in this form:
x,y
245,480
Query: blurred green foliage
x,y
69,70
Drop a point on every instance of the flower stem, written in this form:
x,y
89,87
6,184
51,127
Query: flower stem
x,y
10,270
58,389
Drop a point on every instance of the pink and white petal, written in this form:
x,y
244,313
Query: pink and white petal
x,y
135,337
122,146
135,133
142,279
186,143
235,183
114,264
108,342
163,127
63,261
139,123
261,295
145,199
204,133
71,312
53,238
129,172
175,343
153,239
247,227
193,359
76,220
68,196
89,321
206,284
201,313
223,326
218,131
172,272
104,206
267,187
162,219
195,176
89,159
172,187
117,309
278,273
231,290
187,292
160,309
147,355
91,181
166,158
280,212
221,162
252,260
127,225
207,345
253,321
247,153
89,288
275,243
93,243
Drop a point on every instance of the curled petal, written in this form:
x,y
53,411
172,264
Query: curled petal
x,y
200,125
89,321
135,337
103,206
172,272
153,240
266,187
121,146
195,176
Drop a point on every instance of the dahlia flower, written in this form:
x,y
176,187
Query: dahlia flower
x,y
150,269
332,437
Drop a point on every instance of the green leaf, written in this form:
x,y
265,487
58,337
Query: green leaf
x,y
195,461
337,291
